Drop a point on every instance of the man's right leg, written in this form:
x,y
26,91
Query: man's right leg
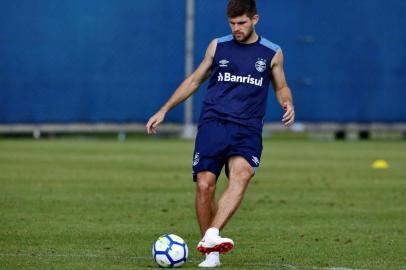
x,y
206,209
205,199
208,161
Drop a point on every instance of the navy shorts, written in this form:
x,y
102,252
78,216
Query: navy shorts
x,y
218,140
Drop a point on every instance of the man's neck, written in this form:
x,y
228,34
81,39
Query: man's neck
x,y
252,39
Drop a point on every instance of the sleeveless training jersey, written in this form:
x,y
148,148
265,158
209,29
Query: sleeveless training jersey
x,y
239,82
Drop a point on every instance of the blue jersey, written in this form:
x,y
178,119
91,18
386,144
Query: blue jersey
x,y
239,82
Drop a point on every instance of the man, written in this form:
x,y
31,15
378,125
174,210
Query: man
x,y
240,67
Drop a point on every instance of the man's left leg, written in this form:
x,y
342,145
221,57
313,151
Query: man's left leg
x,y
240,173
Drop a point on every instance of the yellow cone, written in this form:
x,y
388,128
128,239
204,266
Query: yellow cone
x,y
380,164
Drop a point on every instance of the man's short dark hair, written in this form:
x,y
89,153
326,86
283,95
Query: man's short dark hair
x,y
236,8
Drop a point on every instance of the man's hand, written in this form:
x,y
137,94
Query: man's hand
x,y
154,121
289,116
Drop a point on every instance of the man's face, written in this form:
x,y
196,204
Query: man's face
x,y
242,27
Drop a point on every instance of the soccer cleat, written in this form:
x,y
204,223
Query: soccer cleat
x,y
215,244
212,260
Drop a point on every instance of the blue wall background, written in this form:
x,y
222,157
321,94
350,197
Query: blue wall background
x,y
118,61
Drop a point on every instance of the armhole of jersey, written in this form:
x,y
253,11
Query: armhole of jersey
x,y
214,56
270,45
276,52
215,51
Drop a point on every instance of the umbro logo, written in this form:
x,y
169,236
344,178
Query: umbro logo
x,y
224,63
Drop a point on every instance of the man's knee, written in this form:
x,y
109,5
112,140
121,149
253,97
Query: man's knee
x,y
243,174
241,171
206,182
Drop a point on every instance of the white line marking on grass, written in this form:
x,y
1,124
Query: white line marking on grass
x,y
144,258
269,264
291,266
34,254
339,268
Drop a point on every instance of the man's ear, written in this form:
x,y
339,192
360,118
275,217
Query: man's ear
x,y
255,19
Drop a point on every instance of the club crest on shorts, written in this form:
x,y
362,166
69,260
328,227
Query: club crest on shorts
x,y
255,160
260,65
196,159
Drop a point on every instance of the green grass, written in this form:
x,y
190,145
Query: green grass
x,y
100,204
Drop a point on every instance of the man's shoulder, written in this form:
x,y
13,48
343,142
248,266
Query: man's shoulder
x,y
268,44
223,39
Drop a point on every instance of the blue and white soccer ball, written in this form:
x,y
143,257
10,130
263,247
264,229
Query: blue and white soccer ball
x,y
170,251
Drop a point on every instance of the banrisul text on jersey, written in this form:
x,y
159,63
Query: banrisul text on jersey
x,y
228,77
239,82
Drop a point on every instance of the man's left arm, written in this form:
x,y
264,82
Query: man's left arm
x,y
282,91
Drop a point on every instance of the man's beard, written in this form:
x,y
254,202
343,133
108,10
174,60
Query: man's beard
x,y
246,38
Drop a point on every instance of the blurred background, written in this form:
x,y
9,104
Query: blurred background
x,y
107,66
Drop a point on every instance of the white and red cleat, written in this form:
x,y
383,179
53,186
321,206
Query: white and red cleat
x,y
212,242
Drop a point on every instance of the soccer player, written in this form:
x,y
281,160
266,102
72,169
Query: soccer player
x,y
240,68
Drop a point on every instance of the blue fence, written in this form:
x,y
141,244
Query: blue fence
x,y
118,61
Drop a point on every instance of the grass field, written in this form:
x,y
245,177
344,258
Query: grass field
x,y
100,204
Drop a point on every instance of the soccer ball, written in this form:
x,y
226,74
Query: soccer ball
x,y
170,251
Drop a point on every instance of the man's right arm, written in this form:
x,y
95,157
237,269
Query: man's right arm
x,y
185,89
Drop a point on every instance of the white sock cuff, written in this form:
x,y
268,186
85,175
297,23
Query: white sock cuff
x,y
212,231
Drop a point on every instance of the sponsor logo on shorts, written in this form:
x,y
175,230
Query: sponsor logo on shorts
x,y
228,77
196,159
255,160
